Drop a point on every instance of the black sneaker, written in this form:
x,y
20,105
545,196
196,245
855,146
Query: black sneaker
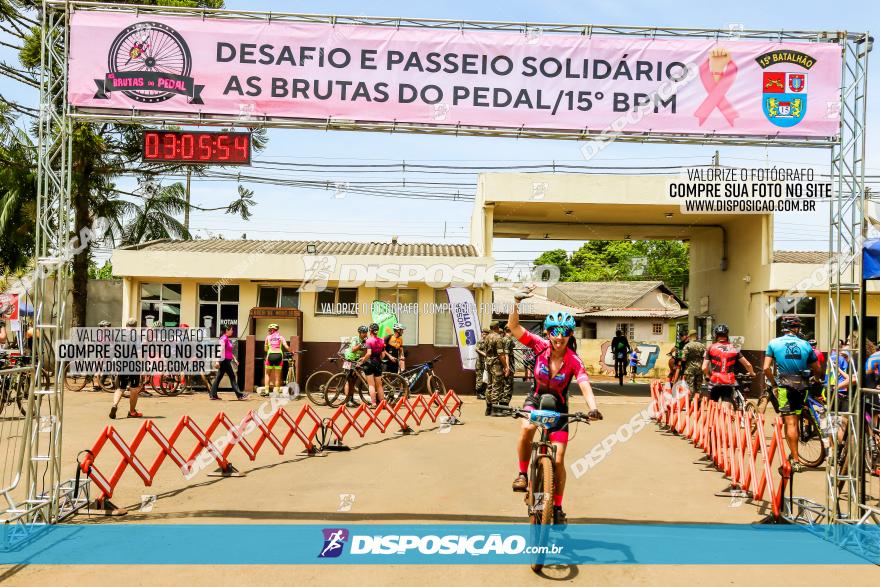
x,y
113,413
488,409
559,517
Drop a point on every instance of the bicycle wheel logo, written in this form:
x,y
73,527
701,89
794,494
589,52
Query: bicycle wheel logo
x,y
149,62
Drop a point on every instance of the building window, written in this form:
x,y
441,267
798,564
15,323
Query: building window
x,y
405,304
804,307
657,328
628,330
589,330
218,304
444,332
278,297
337,302
160,303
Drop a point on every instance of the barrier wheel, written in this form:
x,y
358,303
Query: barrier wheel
x,y
811,450
541,495
315,385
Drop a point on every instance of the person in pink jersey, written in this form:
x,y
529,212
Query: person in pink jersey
x,y
226,366
372,364
556,365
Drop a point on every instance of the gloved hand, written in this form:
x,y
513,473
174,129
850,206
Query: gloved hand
x,y
525,292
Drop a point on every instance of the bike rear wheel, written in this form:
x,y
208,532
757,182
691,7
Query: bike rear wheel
x,y
166,384
811,450
540,501
395,387
315,386
750,409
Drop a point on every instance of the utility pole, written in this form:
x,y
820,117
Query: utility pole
x,y
186,210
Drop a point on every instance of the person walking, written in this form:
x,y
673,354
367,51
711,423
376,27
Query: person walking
x,y
226,366
692,355
620,349
480,374
507,388
133,382
496,364
633,365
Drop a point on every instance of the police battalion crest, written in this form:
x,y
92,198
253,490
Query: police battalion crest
x,y
784,93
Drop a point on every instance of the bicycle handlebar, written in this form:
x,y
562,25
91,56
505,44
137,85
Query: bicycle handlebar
x,y
526,414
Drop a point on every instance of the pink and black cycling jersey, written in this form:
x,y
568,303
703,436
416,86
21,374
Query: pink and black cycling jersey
x,y
572,368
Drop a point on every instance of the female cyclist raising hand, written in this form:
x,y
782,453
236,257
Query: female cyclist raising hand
x,y
556,364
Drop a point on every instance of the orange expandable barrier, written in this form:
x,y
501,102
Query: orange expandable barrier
x,y
305,427
725,436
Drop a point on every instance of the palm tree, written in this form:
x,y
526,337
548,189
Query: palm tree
x,y
157,217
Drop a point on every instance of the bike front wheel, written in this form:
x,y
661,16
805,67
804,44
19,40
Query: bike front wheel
x,y
436,385
540,500
315,386
334,391
74,382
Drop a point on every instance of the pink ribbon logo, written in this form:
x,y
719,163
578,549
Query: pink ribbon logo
x,y
717,91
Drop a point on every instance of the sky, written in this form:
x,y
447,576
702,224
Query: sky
x,y
335,214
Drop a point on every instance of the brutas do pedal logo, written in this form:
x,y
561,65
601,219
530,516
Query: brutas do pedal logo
x,y
149,62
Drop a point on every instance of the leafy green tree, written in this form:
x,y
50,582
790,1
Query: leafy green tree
x,y
666,261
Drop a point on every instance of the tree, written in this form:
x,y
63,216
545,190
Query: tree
x,y
666,261
100,154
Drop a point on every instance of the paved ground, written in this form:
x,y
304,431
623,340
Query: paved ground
x,y
459,475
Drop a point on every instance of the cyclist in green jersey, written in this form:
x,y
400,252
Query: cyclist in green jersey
x,y
353,353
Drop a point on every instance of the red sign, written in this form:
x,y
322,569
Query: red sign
x,y
223,148
8,306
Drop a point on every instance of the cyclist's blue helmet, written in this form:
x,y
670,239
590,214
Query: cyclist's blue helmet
x,y
559,319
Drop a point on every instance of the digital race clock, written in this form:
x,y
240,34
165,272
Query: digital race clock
x,y
182,146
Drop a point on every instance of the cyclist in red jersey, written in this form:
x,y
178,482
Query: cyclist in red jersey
x,y
556,365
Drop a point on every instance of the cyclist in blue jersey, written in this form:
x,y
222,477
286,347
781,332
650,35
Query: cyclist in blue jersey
x,y
794,361
872,370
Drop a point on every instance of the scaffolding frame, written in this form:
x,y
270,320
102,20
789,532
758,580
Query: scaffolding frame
x,y
52,497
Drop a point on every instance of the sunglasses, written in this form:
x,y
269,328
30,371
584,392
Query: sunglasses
x,y
559,331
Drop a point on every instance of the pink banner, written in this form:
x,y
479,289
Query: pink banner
x,y
442,77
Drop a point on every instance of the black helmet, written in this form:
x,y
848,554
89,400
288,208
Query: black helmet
x,y
790,321
721,330
362,328
374,327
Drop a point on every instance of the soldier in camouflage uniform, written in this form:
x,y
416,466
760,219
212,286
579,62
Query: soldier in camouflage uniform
x,y
692,360
480,368
509,345
496,364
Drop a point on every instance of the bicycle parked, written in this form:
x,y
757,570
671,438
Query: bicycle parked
x,y
423,374
336,392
